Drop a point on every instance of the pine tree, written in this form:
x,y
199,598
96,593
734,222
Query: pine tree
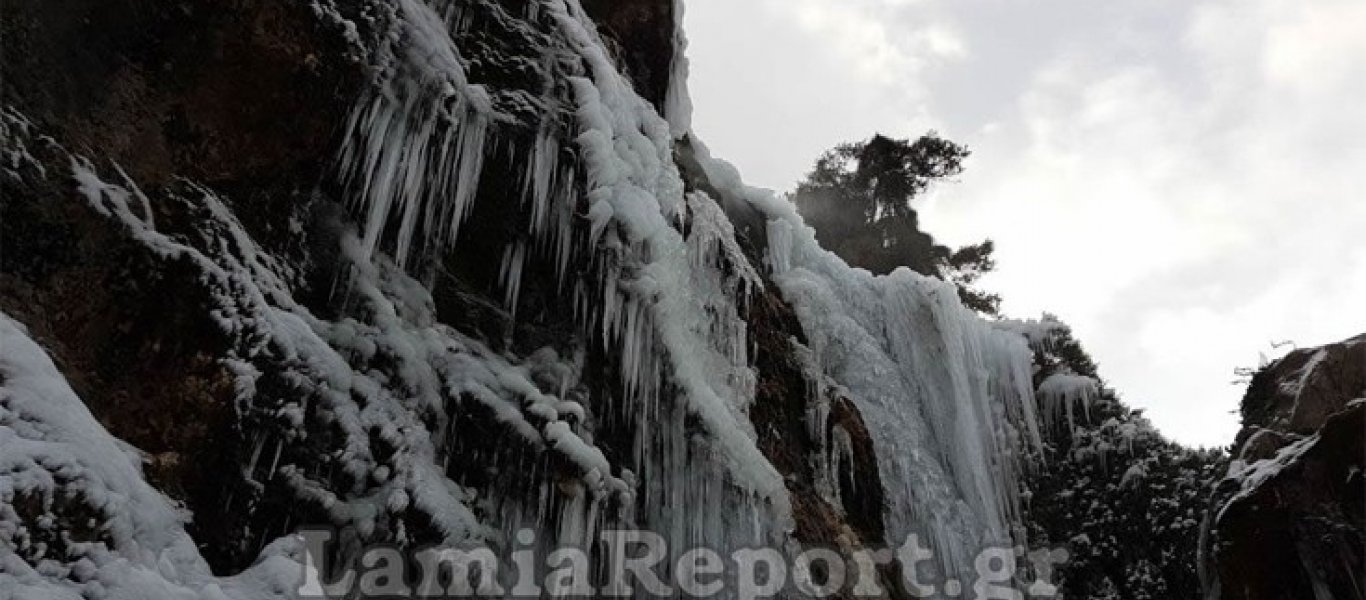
x,y
858,198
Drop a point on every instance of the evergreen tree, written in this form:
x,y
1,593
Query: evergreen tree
x,y
858,199
1123,500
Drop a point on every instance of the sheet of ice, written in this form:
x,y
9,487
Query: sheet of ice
x,y
1041,333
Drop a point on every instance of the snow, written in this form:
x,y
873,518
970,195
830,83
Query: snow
x,y
335,369
53,450
949,395
627,153
1251,476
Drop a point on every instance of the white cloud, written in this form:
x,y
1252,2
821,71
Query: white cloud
x,y
1318,47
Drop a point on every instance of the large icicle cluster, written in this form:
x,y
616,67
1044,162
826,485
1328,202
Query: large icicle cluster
x,y
1060,395
416,144
657,297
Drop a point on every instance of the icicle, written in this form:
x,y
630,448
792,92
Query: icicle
x,y
258,444
840,463
541,178
414,147
275,462
1063,390
510,275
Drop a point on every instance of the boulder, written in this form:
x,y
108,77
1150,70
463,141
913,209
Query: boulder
x,y
1289,518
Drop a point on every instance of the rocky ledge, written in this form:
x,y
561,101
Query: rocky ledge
x,y
1289,519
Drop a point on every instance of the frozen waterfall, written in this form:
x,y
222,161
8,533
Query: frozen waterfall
x,y
642,418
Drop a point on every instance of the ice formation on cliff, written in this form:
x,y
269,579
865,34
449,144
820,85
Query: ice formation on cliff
x,y
947,395
944,389
652,269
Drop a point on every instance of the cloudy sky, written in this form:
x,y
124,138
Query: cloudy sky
x,y
1182,181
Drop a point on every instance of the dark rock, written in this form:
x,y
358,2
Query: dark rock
x,y
1262,444
1298,393
781,412
214,91
245,95
1289,521
644,32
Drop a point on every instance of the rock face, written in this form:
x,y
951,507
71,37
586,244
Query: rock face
x,y
1298,393
426,272
223,93
243,96
1289,519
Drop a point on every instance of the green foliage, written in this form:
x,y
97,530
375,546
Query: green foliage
x,y
858,199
